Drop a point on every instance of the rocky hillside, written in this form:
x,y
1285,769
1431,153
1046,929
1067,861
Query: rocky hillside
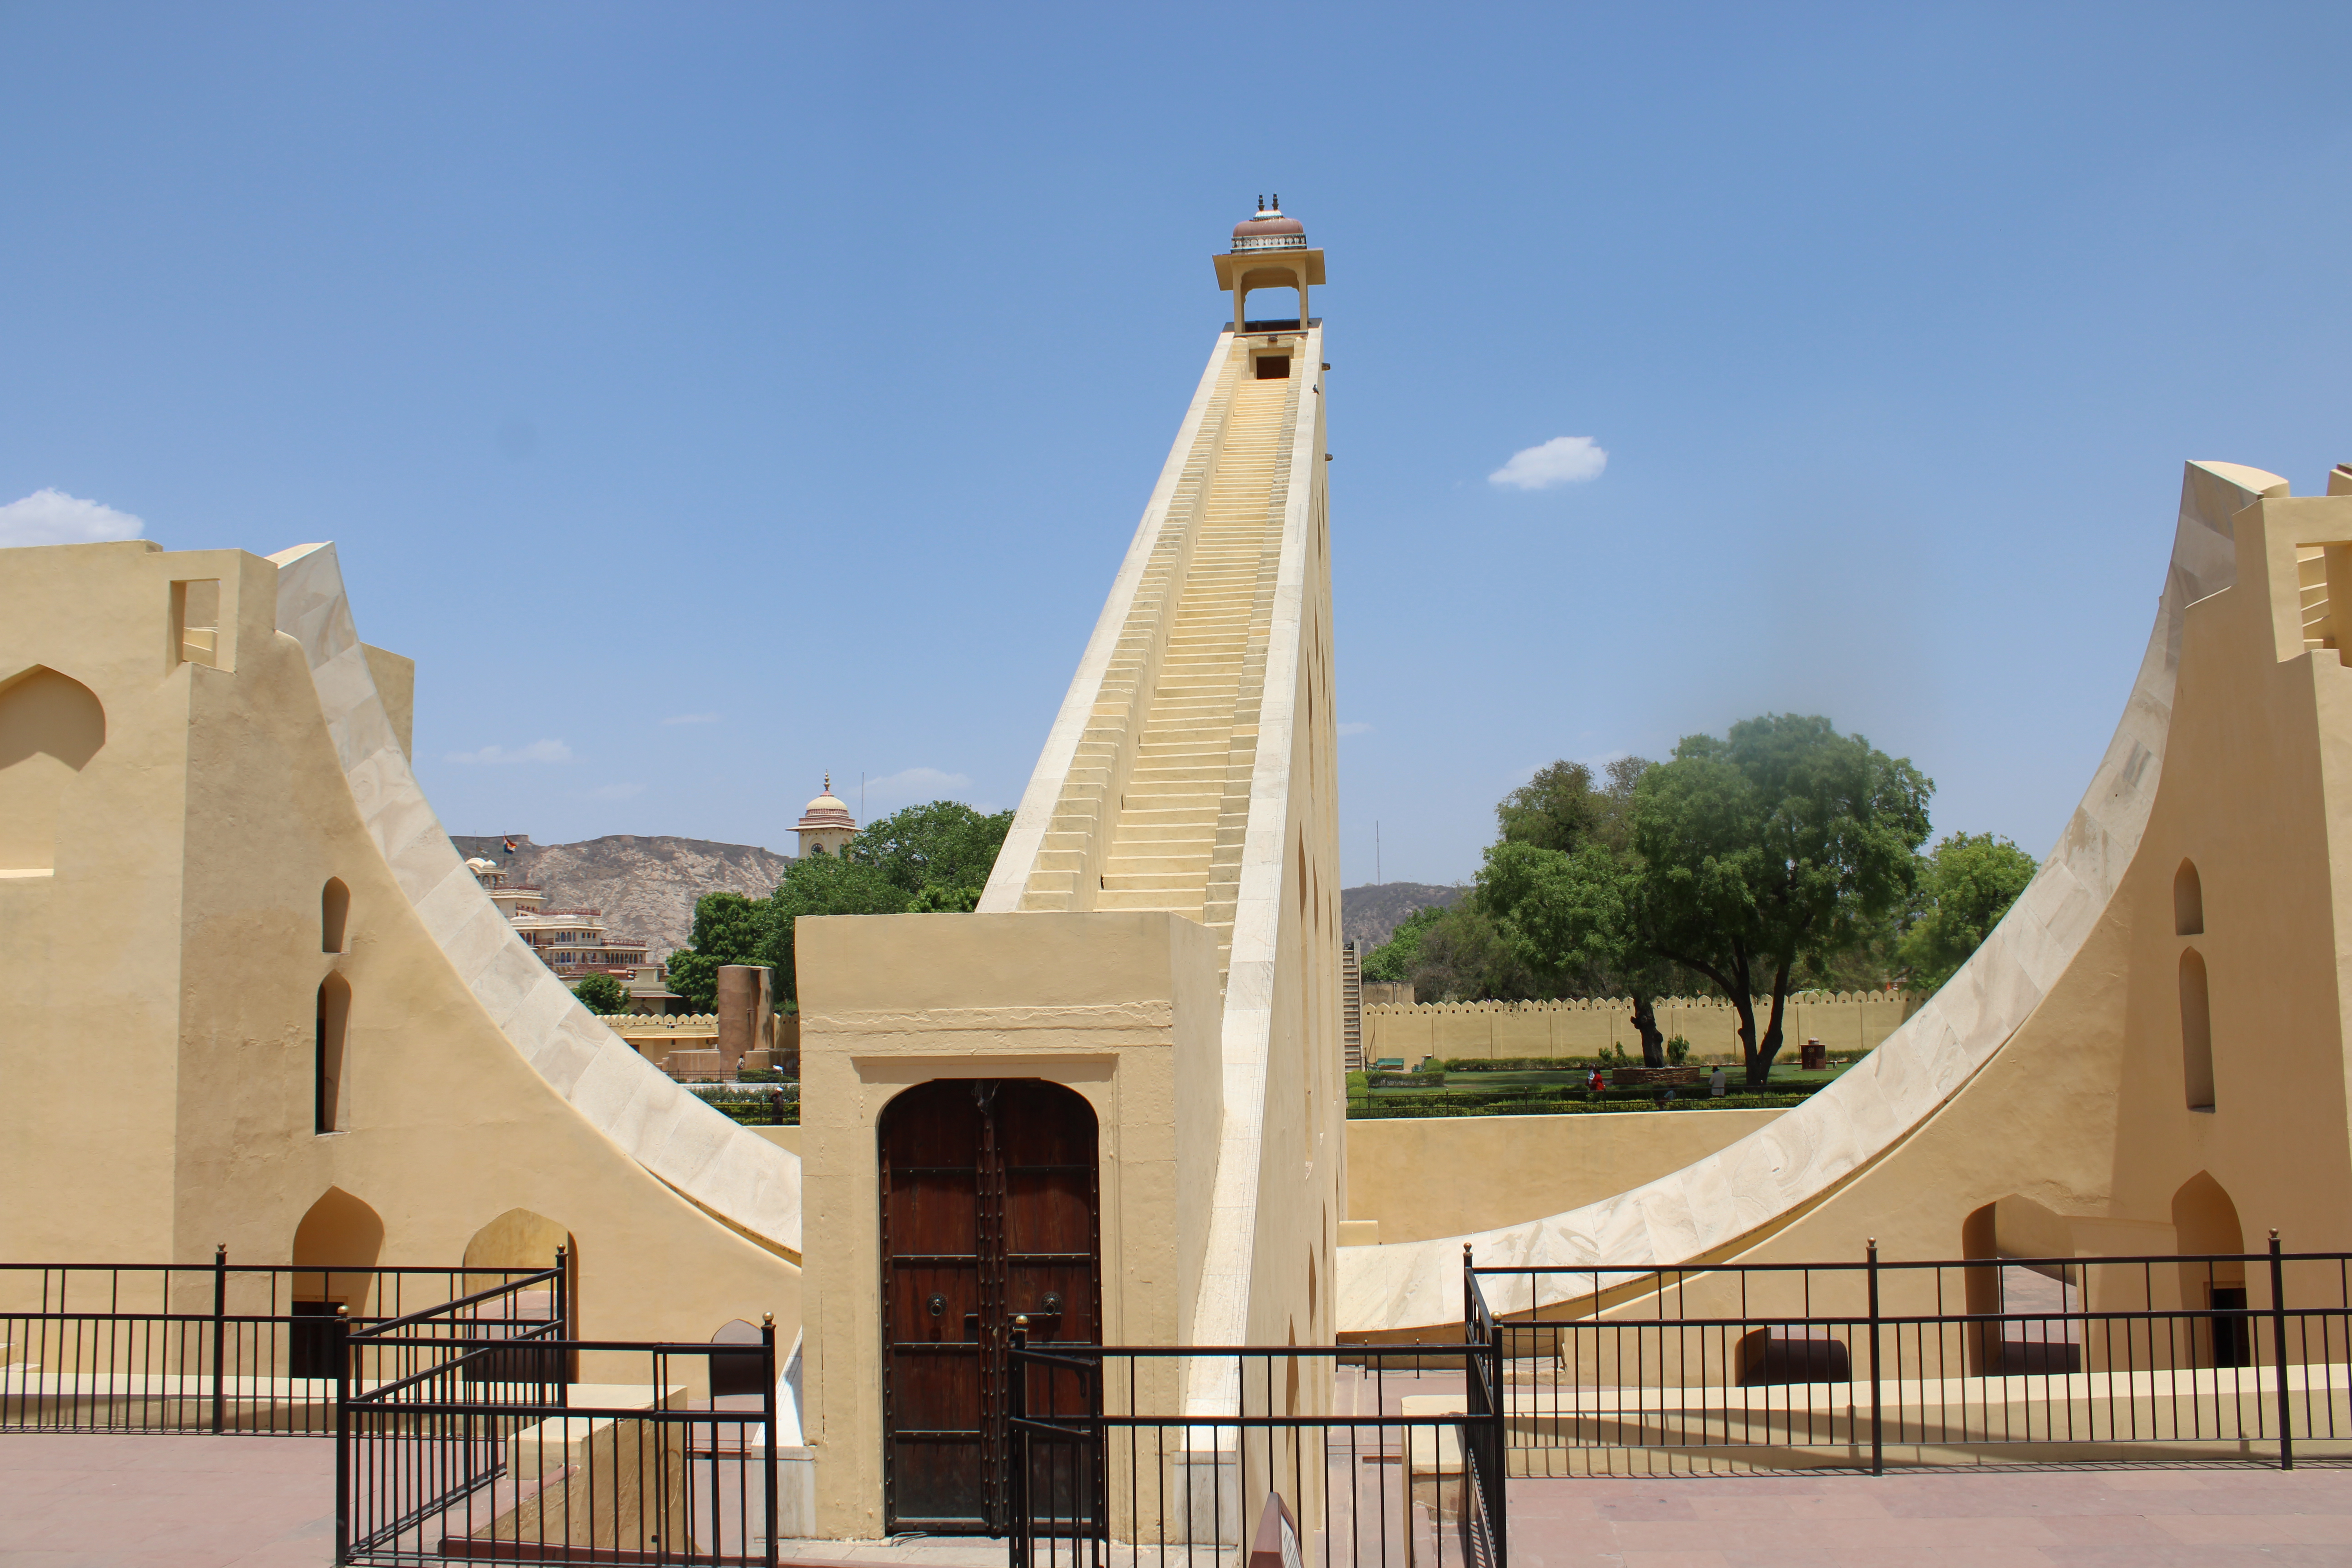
x,y
1370,912
647,886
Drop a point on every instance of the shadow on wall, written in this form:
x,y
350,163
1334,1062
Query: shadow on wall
x,y
50,727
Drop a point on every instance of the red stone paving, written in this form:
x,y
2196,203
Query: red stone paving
x,y
2212,1516
92,1500
74,1501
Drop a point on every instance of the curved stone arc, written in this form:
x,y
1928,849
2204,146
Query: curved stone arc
x,y
728,1171
1712,1206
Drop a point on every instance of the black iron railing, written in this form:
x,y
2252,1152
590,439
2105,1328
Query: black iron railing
x,y
203,1348
2212,1354
1173,1451
464,1433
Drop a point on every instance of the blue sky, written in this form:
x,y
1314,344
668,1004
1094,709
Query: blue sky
x,y
708,396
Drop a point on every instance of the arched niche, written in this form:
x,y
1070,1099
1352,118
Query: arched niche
x,y
2196,1033
739,1374
2024,1245
330,1107
334,916
521,1239
2187,901
2205,1220
50,727
338,1232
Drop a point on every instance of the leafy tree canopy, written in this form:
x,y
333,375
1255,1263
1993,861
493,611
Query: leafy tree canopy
x,y
728,929
927,859
1969,881
944,843
601,993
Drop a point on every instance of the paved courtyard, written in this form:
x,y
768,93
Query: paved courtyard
x,y
96,1501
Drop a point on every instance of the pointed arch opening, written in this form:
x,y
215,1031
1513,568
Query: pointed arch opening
x,y
334,916
50,727
2195,1032
524,1239
2205,1221
2187,901
328,1103
341,1237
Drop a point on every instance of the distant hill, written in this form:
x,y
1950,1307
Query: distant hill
x,y
1370,912
647,886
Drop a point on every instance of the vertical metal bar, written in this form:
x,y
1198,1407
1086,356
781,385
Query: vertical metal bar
x,y
220,1315
1877,1434
768,1394
339,1346
2278,1347
1016,1410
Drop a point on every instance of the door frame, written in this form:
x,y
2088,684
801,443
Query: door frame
x,y
993,1266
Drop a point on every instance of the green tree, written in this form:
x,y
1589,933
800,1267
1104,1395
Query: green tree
x,y
1784,841
1969,883
822,884
601,993
942,844
1565,848
1465,955
1392,962
1781,843
728,929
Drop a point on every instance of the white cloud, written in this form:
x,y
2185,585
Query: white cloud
x,y
53,517
691,719
1562,461
910,784
616,792
1352,728
537,752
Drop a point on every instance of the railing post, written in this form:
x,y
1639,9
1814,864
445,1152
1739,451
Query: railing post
x,y
768,1388
562,1327
339,1346
1016,1410
1877,1434
2278,1349
220,1323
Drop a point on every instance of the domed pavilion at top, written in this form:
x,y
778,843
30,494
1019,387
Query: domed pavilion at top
x,y
1270,251
827,825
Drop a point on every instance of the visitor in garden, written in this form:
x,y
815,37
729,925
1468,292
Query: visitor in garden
x,y
1594,1083
1715,1084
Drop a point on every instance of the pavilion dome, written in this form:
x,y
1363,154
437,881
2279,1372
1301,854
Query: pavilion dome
x,y
1269,230
827,810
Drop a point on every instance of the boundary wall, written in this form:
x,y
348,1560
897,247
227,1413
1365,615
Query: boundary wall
x,y
1850,1021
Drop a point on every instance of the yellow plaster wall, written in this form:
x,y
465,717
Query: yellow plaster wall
x,y
1449,1176
1121,1008
186,909
1487,1030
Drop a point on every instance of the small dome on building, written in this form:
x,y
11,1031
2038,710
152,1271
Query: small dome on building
x,y
1269,230
478,864
827,811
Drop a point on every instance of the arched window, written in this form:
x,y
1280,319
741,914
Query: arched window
x,y
335,913
2187,901
50,726
327,1065
2195,1032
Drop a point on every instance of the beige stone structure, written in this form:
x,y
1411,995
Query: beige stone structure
x,y
825,825
2150,1051
1159,937
326,1042
1842,1021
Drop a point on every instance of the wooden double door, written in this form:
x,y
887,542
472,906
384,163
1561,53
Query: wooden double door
x,y
991,1209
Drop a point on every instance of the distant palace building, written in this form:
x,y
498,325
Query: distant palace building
x,y
575,943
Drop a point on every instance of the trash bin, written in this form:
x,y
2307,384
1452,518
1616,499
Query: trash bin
x,y
1814,1057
